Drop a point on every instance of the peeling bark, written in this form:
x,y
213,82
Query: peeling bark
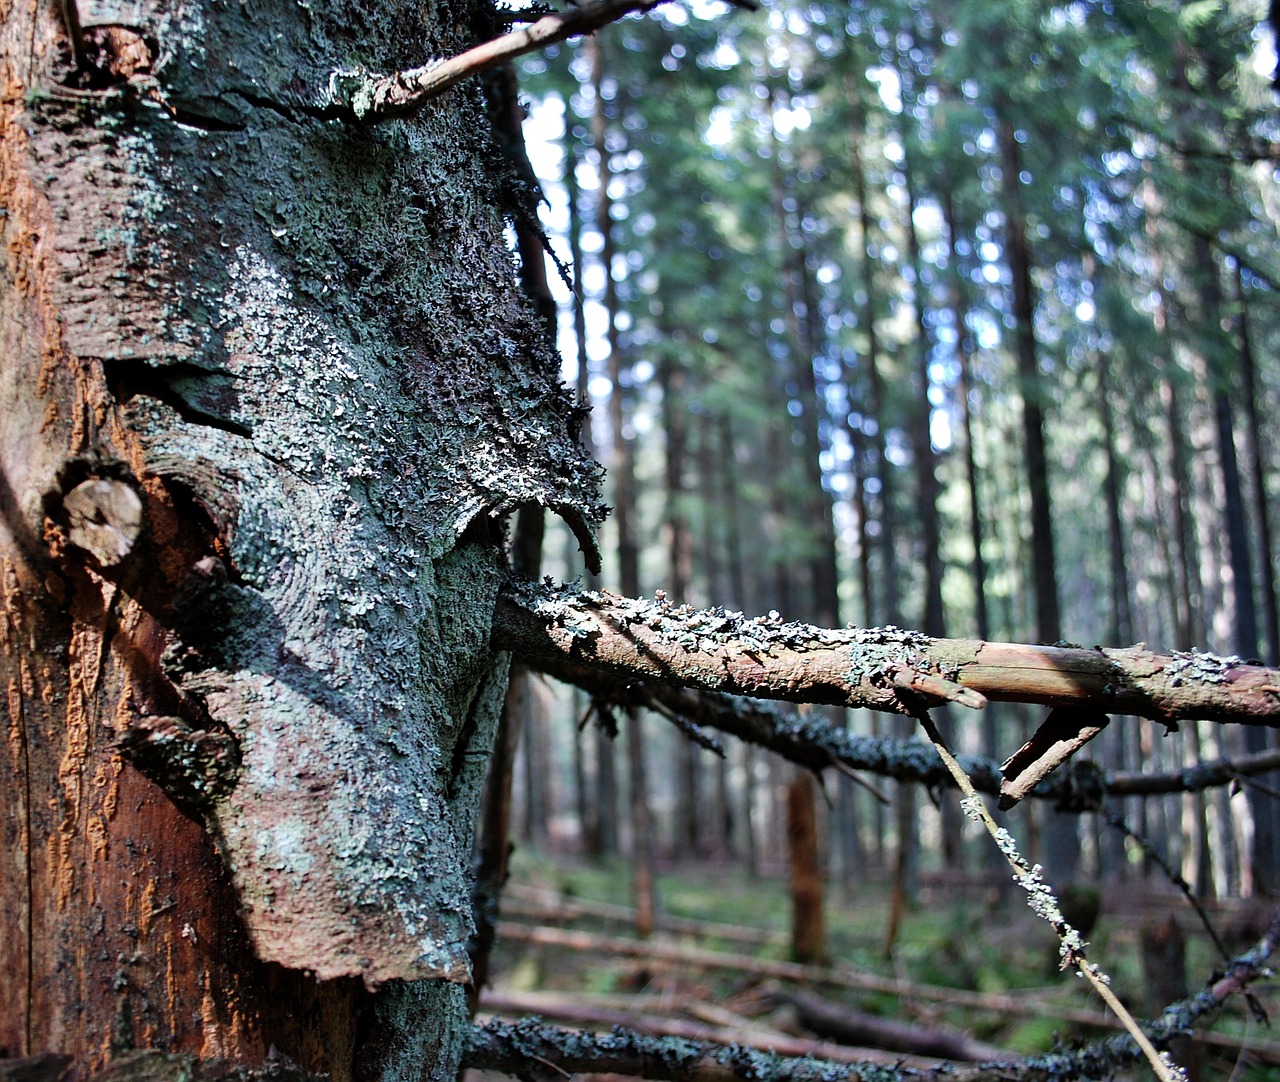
x,y
267,382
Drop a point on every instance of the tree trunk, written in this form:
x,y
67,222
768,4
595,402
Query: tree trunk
x,y
248,468
688,821
1258,473
622,473
875,407
1062,841
808,928
1018,252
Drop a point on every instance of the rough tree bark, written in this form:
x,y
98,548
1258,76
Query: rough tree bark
x,y
267,383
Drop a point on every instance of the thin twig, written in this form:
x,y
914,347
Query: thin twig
x,y
1044,904
687,727
369,96
1259,786
1117,822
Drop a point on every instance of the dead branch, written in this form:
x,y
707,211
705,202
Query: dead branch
x,y
876,668
530,1050
594,1014
840,1022
832,976
545,906
1044,903
369,96
813,742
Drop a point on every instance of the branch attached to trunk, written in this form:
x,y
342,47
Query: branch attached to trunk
x,y
531,1050
813,742
877,668
369,96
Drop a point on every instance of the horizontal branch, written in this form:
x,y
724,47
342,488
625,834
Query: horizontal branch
x,y
369,96
813,742
591,1012
531,1050
876,668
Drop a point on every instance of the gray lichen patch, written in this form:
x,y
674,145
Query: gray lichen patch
x,y
1199,667
575,611
877,653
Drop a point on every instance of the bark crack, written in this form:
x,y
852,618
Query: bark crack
x,y
200,396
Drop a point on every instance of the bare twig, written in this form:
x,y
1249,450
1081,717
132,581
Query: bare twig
x,y
1041,899
1060,736
1116,822
369,96
832,976
850,978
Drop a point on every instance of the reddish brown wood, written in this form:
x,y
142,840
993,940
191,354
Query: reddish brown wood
x,y
808,929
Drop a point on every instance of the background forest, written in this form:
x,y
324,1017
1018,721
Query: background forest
x,y
955,316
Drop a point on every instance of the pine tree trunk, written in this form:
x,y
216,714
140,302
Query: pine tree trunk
x,y
1258,473
688,819
808,927
623,476
1062,842
1264,806
247,567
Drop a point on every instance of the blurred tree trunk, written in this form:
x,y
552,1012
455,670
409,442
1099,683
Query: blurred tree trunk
x,y
1120,627
1258,472
875,408
622,472
925,461
808,928
1187,600
1018,253
1061,837
722,842
727,461
689,818
596,826
1264,806
965,392
1267,846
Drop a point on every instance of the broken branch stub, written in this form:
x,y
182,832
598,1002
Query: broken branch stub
x,y
1063,733
104,519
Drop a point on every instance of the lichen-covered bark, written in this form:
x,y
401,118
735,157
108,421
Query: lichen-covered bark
x,y
879,668
299,342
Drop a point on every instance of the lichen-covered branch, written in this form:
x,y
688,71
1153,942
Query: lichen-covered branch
x,y
1044,904
813,742
531,1050
877,668
369,96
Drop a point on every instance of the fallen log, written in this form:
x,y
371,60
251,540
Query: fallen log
x,y
848,1026
847,977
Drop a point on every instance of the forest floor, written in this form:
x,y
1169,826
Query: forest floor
x,y
969,968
